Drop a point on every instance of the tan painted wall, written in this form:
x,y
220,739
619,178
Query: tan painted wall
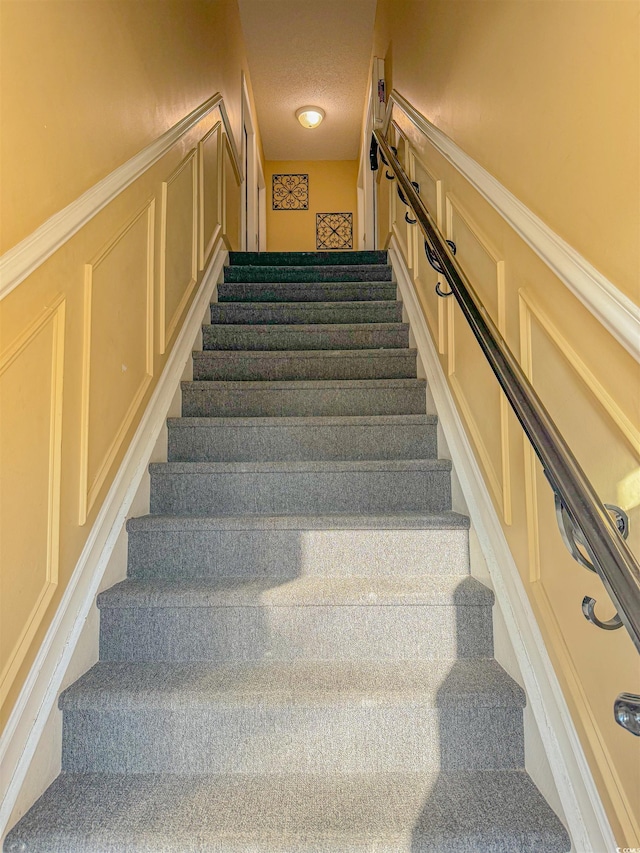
x,y
85,85
84,339
332,189
545,96
529,90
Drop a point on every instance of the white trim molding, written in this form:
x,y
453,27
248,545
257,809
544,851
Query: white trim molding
x,y
25,257
617,313
586,819
24,728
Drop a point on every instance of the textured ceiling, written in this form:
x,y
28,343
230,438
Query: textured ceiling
x,y
309,52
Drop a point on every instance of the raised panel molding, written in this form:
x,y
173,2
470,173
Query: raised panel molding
x,y
52,359
231,183
178,251
209,157
498,475
112,276
529,310
582,708
24,740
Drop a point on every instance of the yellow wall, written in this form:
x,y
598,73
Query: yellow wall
x,y
332,189
531,90
84,339
545,96
85,85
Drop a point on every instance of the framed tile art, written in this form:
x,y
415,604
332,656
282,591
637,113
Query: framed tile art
x,y
334,230
290,192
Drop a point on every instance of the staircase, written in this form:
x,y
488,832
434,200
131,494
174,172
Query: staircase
x,y
299,659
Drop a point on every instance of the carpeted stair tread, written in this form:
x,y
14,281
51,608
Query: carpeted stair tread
x,y
289,313
280,364
424,591
309,486
313,273
282,438
252,259
309,421
313,466
300,354
319,385
312,336
435,683
326,521
293,398
170,546
471,812
307,291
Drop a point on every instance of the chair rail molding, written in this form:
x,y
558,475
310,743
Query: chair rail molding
x,y
617,313
26,256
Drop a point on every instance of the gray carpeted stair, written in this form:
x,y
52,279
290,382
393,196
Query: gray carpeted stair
x,y
314,273
304,364
299,659
297,546
311,487
308,291
256,439
330,336
289,313
304,398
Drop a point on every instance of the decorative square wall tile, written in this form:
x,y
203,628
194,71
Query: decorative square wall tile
x,y
290,192
334,230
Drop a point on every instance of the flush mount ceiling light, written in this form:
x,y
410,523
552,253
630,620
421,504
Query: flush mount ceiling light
x,y
310,116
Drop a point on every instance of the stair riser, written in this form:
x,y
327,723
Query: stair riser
x,y
351,632
297,553
216,401
359,291
304,492
354,737
328,272
327,337
242,366
314,259
290,443
292,313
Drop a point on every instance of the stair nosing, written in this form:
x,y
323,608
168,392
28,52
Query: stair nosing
x,y
303,421
301,593
329,283
447,520
379,352
318,466
392,325
386,805
495,686
304,384
313,304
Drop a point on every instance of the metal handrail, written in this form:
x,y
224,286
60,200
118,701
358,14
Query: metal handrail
x,y
585,518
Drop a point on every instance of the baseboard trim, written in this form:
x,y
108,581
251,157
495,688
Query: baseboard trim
x,y
587,822
21,736
617,313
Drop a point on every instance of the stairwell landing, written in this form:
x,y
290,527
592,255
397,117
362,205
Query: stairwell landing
x,y
299,659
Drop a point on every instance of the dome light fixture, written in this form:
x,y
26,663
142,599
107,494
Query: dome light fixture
x,y
310,117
